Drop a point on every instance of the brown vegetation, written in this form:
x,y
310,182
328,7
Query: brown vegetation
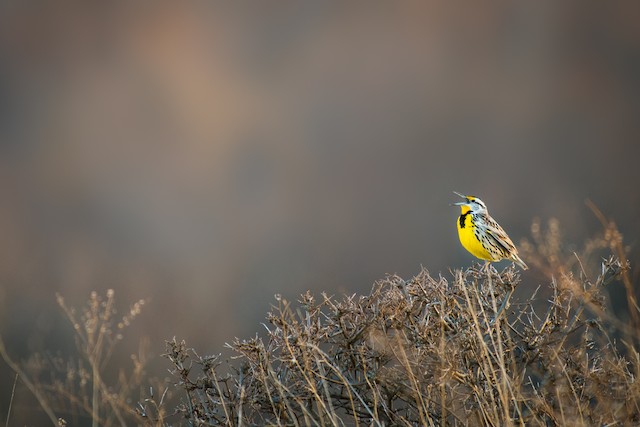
x,y
433,350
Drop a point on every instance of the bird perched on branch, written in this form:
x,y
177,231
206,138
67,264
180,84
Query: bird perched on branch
x,y
482,235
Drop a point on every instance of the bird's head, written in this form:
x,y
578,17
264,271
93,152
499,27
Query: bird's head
x,y
471,203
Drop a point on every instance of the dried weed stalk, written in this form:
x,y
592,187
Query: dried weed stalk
x,y
75,388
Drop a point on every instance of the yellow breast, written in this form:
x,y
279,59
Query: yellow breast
x,y
466,233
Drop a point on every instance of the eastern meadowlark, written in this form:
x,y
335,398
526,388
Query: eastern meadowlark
x,y
482,235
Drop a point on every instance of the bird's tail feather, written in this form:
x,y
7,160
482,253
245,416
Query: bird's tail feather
x,y
519,261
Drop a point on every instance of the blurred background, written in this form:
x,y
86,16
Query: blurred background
x,y
206,156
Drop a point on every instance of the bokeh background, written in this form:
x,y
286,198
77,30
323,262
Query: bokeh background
x,y
206,156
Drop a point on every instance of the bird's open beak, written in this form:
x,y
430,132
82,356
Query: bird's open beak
x,y
466,201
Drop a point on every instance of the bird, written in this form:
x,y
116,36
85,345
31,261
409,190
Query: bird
x,y
481,235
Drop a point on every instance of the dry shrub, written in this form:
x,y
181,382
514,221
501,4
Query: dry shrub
x,y
455,350
433,351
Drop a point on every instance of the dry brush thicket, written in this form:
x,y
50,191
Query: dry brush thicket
x,y
459,350
436,351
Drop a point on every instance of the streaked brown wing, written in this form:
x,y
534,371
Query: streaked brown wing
x,y
499,236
